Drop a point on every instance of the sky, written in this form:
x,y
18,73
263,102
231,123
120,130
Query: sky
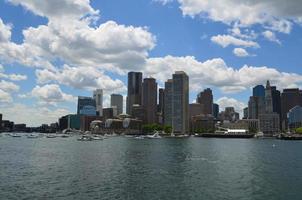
x,y
52,51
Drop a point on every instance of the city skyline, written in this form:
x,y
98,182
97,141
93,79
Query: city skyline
x,y
43,82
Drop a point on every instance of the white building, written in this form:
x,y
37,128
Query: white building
x,y
98,96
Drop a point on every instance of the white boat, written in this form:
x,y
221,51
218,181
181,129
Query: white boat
x,y
64,135
32,136
140,137
154,136
15,135
85,138
95,137
51,136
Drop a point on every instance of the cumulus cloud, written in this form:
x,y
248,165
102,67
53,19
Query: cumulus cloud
x,y
32,115
224,102
275,14
12,77
88,78
8,86
227,40
240,52
5,97
269,35
51,94
216,73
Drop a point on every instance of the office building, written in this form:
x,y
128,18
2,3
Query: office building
x,y
215,110
88,110
259,91
161,100
245,113
295,117
117,100
108,113
85,101
98,97
168,96
149,100
206,99
289,99
180,103
269,121
134,90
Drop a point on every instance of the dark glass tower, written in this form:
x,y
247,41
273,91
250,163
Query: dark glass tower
x,y
134,90
149,100
259,91
215,110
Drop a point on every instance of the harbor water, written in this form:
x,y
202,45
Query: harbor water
x,y
127,168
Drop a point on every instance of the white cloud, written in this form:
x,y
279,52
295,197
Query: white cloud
x,y
240,52
8,86
32,115
88,78
51,94
163,2
276,14
5,97
216,73
224,102
227,40
269,35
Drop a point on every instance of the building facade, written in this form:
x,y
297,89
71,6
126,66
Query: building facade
x,y
215,110
117,100
149,100
98,97
180,103
206,99
84,102
134,90
295,117
168,96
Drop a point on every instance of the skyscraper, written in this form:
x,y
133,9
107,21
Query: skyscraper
x,y
289,99
87,102
161,100
134,90
269,121
168,96
206,98
259,91
245,113
215,110
180,103
149,99
117,100
98,97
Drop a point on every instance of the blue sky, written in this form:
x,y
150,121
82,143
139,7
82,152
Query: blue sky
x,y
53,51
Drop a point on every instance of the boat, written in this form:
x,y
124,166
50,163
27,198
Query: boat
x,y
32,136
51,136
229,133
154,136
85,138
139,137
64,135
95,137
15,135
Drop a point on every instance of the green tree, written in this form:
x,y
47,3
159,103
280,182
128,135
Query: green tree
x,y
299,130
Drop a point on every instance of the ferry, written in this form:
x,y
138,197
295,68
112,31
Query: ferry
x,y
229,133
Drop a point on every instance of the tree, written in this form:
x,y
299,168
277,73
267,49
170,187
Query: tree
x,y
299,130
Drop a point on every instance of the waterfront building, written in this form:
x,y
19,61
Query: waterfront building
x,y
149,100
194,110
251,125
98,97
168,96
138,112
20,128
259,91
88,110
7,125
86,122
202,123
85,101
245,113
269,121
215,110
289,99
295,117
229,114
180,103
72,121
108,113
134,90
206,99
117,100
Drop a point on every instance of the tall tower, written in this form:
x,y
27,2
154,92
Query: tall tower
x,y
98,97
180,103
134,90
117,100
206,99
168,96
268,98
149,99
